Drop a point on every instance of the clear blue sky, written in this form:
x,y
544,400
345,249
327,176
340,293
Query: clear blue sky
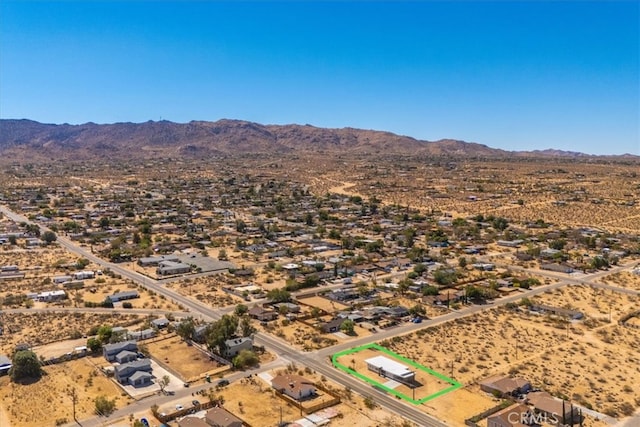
x,y
511,75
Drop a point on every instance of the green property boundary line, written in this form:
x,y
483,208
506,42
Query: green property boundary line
x,y
454,384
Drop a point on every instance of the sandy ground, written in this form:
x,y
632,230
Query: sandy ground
x,y
187,361
52,394
38,329
324,304
429,384
588,361
623,279
207,289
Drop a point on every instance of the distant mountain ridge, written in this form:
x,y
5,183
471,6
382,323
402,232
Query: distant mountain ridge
x,y
201,138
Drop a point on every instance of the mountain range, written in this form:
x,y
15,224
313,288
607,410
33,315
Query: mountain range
x,y
29,139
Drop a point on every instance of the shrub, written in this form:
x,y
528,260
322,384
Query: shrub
x,y
369,402
104,406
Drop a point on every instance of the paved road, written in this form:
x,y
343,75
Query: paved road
x,y
142,311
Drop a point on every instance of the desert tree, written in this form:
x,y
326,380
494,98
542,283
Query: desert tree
x,y
25,365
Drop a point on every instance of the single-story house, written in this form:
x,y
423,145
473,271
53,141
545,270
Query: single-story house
x,y
388,368
343,294
548,405
332,325
160,323
142,335
354,316
110,351
33,241
559,268
121,296
155,260
81,275
49,296
235,345
397,312
290,307
505,386
170,268
512,416
291,267
484,266
261,314
125,371
220,417
61,279
294,386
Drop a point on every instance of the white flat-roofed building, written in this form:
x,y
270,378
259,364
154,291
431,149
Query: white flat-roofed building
x,y
388,368
49,296
290,267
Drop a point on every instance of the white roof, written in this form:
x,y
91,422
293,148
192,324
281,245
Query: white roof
x,y
290,266
51,293
390,366
248,288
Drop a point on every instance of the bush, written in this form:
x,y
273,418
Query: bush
x,y
25,364
245,359
369,402
104,406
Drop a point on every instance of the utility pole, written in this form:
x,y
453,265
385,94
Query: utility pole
x,y
74,399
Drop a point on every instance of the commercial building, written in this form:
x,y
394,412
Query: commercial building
x,y
388,368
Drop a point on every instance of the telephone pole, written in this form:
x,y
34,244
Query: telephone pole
x,y
73,394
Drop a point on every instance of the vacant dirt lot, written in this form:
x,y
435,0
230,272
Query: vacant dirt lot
x,y
623,279
587,361
185,360
39,328
52,392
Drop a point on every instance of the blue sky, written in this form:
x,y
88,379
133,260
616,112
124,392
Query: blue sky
x,y
511,75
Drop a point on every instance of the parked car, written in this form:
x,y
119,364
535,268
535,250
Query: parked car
x,y
223,383
179,407
195,403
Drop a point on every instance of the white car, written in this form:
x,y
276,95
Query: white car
x,y
179,407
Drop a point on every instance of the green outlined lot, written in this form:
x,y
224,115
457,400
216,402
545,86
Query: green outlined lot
x,y
449,384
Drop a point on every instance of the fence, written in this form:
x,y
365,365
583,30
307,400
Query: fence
x,y
187,411
473,421
309,409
